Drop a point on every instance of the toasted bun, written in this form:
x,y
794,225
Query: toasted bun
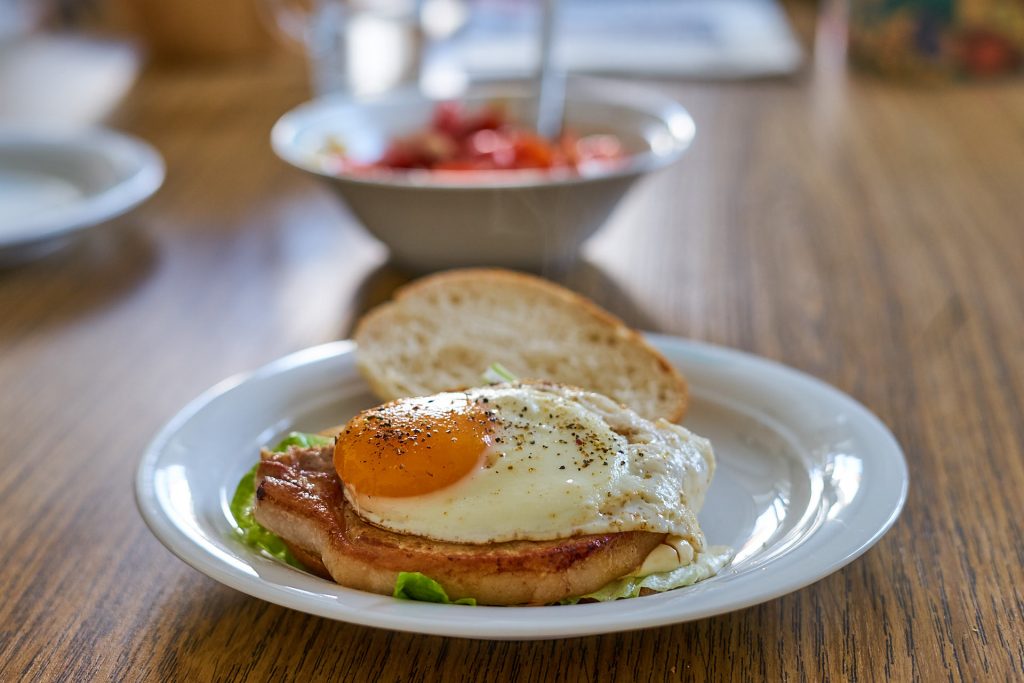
x,y
300,499
441,332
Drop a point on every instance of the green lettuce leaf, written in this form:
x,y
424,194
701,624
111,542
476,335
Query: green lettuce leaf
x,y
302,440
706,564
416,586
242,503
498,373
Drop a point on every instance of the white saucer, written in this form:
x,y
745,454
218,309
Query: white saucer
x,y
55,183
807,481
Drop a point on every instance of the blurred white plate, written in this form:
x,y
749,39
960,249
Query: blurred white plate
x,y
55,183
808,480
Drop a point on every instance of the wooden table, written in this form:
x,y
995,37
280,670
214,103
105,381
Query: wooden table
x,y
868,233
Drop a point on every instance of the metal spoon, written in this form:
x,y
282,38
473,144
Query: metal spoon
x,y
550,80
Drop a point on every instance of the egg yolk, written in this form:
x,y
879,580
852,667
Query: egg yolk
x,y
413,446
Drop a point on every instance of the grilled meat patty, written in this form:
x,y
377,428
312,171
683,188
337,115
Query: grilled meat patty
x,y
300,499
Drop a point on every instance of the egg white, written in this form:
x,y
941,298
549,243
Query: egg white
x,y
562,462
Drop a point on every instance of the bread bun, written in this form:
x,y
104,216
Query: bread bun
x,y
443,331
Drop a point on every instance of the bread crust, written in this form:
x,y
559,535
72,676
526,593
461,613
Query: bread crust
x,y
300,499
384,322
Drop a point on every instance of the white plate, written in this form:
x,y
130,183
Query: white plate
x,y
54,183
808,480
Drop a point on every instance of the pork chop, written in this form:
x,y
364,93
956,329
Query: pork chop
x,y
300,499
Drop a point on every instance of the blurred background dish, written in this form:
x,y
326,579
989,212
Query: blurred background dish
x,y
370,46
64,80
532,220
55,183
703,39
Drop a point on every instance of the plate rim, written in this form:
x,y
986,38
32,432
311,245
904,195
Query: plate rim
x,y
493,623
146,174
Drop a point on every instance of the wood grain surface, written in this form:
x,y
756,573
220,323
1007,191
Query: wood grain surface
x,y
869,233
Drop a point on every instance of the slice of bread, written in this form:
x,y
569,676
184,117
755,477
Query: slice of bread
x,y
443,331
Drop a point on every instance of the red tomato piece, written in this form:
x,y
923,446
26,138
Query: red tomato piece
x,y
532,151
484,141
447,118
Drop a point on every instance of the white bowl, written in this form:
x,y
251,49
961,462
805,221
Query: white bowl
x,y
519,219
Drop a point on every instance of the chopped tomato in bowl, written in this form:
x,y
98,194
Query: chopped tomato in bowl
x,y
483,141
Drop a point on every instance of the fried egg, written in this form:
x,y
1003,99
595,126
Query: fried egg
x,y
522,461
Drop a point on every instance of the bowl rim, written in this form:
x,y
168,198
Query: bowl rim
x,y
672,114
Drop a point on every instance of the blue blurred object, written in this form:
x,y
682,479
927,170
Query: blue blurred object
x,y
673,38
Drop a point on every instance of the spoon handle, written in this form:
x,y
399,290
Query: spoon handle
x,y
550,79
